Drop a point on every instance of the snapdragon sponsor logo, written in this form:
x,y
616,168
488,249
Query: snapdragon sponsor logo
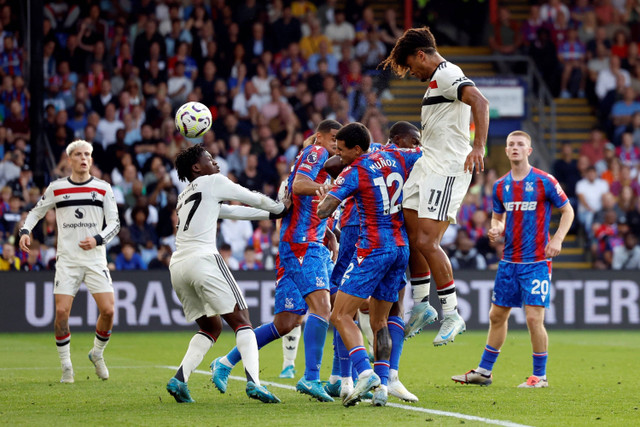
x,y
75,225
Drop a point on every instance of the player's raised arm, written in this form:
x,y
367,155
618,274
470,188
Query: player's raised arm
x,y
226,189
480,110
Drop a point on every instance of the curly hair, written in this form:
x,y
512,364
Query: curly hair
x,y
412,41
186,159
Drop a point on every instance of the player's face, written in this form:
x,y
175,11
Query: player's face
x,y
327,140
348,155
207,165
80,161
407,140
419,66
518,148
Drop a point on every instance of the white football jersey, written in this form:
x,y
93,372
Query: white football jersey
x,y
445,121
82,209
200,205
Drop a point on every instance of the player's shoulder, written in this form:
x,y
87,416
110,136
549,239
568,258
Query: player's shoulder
x,y
99,182
447,68
504,178
545,176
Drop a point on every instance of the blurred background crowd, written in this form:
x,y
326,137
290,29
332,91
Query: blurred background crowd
x,y
115,71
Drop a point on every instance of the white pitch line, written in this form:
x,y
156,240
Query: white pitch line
x,y
393,405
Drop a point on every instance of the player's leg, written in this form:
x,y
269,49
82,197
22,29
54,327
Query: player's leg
x,y
342,316
535,280
105,303
201,342
247,345
364,322
397,332
379,310
63,335
422,313
290,343
283,323
430,234
539,344
314,335
506,294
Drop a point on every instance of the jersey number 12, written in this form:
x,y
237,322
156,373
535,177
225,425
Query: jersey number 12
x,y
385,188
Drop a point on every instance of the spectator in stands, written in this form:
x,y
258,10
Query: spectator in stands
x,y
609,203
530,27
143,42
236,233
366,24
609,168
389,30
565,170
179,86
225,252
129,259
9,261
505,38
606,237
108,126
250,261
544,53
622,111
589,191
628,153
466,256
370,51
625,179
16,121
323,54
10,166
626,256
549,11
340,31
607,80
162,259
10,58
286,29
34,260
593,149
142,234
21,185
606,12
627,199
571,54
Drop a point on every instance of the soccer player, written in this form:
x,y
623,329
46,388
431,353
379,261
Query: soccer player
x,y
522,203
441,178
83,204
377,267
403,135
199,275
302,283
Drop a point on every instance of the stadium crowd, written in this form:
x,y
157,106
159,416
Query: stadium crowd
x,y
116,71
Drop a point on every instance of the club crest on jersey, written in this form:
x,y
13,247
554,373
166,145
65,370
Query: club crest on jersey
x,y
288,303
94,195
528,186
339,180
319,282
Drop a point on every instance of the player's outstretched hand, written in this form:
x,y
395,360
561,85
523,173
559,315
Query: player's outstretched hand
x,y
88,243
553,248
25,241
475,159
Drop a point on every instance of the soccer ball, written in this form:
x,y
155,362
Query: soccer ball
x,y
193,119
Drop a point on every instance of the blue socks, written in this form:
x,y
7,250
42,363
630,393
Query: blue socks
x,y
489,357
342,354
315,334
264,335
396,330
381,368
360,359
540,364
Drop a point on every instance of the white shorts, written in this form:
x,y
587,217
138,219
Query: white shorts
x,y
434,196
68,279
205,287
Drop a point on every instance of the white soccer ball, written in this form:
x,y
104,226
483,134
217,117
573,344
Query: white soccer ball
x,y
193,119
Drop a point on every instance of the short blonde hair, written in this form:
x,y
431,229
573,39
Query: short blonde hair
x,y
78,143
520,133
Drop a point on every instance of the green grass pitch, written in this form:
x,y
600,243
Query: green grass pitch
x,y
592,377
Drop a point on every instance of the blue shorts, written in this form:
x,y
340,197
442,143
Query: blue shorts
x,y
522,284
288,297
306,265
348,239
378,273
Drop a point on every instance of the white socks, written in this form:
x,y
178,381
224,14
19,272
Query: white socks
x,y
198,347
290,347
248,348
365,327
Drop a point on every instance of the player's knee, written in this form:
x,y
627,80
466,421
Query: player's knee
x,y
498,317
286,325
107,312
534,320
337,318
62,313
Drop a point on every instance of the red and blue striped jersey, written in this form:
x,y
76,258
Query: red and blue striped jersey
x,y
302,225
528,205
349,214
375,181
